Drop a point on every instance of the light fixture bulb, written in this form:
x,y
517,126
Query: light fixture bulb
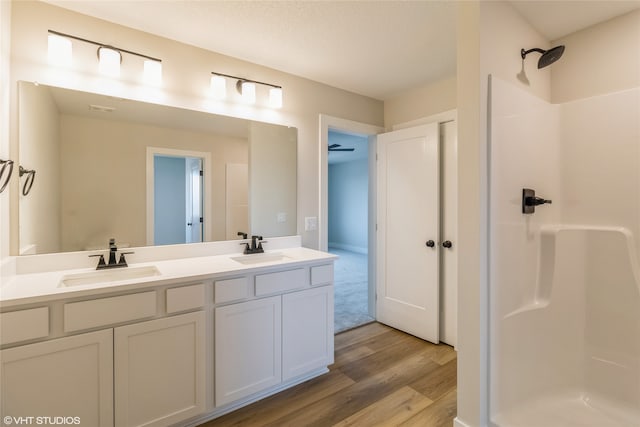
x,y
248,92
109,61
152,71
59,50
218,87
275,97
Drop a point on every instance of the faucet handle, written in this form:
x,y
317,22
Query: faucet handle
x,y
122,261
101,262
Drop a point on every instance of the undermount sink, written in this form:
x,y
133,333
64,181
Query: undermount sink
x,y
104,276
260,258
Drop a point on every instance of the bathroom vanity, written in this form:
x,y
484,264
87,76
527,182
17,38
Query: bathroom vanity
x,y
171,341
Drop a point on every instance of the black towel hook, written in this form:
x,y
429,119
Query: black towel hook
x,y
4,164
28,183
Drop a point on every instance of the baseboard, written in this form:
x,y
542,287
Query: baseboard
x,y
458,423
350,248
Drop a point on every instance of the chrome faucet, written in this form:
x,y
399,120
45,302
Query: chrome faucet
x,y
113,250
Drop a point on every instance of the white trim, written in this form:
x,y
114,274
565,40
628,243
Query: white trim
x,y
445,116
206,167
350,248
457,422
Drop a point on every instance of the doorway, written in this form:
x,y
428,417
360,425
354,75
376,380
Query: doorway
x,y
446,240
348,226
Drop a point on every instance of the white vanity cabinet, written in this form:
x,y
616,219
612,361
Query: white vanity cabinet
x,y
65,377
307,331
177,351
159,370
248,348
268,341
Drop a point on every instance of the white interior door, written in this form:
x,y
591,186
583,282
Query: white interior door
x,y
408,230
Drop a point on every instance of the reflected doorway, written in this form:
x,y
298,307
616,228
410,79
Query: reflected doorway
x,y
177,200
177,196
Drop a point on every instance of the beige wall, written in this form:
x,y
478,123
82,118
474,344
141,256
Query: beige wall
x,y
600,59
490,36
503,33
272,179
40,151
113,153
5,46
186,74
471,333
420,102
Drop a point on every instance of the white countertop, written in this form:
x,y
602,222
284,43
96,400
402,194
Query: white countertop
x,y
40,287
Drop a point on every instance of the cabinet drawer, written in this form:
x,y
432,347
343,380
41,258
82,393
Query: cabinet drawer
x,y
232,290
321,274
23,325
281,281
107,311
185,298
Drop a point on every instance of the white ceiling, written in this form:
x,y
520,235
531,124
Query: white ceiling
x,y
555,19
373,48
103,107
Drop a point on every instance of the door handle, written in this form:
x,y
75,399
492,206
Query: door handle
x,y
447,244
430,243
189,224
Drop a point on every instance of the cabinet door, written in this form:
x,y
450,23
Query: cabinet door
x,y
160,370
68,377
307,331
248,348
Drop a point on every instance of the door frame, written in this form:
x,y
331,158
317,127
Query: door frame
x,y
349,126
206,180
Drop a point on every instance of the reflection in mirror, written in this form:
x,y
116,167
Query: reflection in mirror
x,y
147,174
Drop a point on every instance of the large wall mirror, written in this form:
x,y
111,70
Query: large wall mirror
x,y
147,174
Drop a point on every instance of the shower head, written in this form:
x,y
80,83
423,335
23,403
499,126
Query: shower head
x,y
548,56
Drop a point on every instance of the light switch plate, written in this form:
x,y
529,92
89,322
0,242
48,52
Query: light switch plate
x,y
310,223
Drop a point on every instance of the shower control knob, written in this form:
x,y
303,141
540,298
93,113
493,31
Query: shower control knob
x,y
536,201
431,243
530,201
447,244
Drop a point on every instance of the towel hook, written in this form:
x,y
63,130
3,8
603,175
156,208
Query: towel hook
x,y
28,183
4,164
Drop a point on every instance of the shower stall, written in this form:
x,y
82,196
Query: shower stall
x,y
564,282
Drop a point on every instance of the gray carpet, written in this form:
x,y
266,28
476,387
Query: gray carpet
x,y
351,290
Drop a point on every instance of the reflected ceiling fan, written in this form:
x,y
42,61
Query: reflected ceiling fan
x,y
334,147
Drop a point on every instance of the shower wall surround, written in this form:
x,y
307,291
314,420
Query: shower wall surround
x,y
565,282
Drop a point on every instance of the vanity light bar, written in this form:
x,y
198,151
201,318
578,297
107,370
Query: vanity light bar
x,y
110,57
246,88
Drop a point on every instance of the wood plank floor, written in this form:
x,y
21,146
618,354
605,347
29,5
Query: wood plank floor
x,y
381,377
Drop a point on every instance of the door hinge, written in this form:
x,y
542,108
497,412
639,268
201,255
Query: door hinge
x,y
201,173
201,220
